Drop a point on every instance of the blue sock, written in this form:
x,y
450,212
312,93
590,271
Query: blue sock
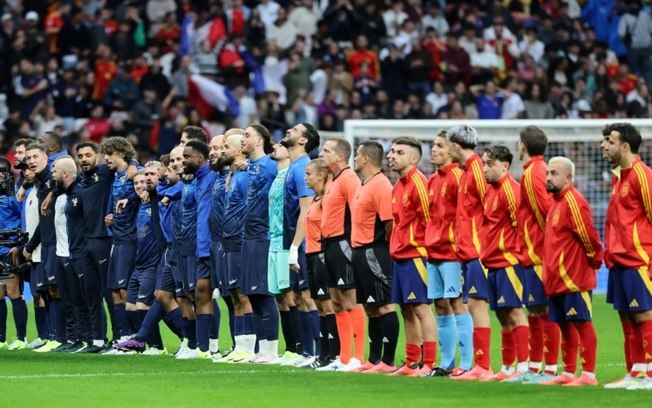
x,y
270,318
447,340
20,317
132,322
3,321
215,323
191,332
203,327
140,318
41,322
175,322
465,339
238,326
150,321
121,322
248,324
58,329
155,340
316,326
305,328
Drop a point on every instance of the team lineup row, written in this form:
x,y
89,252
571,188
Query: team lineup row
x,y
320,247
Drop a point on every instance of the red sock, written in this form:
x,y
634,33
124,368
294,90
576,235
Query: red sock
x,y
429,354
627,331
345,330
551,336
569,345
358,322
520,334
588,345
412,354
536,338
482,346
636,350
508,347
646,333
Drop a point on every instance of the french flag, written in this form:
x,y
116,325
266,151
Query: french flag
x,y
208,96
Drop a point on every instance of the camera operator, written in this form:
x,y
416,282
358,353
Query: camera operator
x,y
10,210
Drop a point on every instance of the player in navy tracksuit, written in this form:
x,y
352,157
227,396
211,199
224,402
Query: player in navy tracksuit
x,y
118,151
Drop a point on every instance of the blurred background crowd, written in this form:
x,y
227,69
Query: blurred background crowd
x,y
90,68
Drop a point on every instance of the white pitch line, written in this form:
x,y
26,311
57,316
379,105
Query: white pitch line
x,y
122,374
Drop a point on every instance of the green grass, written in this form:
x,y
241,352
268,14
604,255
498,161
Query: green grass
x,y
53,380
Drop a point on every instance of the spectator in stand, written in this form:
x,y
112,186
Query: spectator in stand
x,y
319,80
468,37
168,33
304,18
531,45
31,85
44,118
341,21
180,74
435,46
434,19
64,94
437,98
248,113
145,112
268,11
255,31
365,84
281,31
122,93
503,42
371,23
272,113
157,12
394,18
394,74
635,30
484,63
341,83
155,79
418,65
513,107
97,126
537,105
456,63
362,55
297,78
403,40
488,100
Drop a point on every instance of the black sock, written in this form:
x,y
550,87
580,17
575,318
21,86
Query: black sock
x,y
389,328
333,337
323,337
375,340
286,328
294,324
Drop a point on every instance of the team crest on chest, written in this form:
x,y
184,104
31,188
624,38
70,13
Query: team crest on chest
x,y
405,198
495,204
148,212
442,192
624,189
555,217
96,178
74,202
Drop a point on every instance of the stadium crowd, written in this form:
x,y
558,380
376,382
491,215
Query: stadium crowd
x,y
89,68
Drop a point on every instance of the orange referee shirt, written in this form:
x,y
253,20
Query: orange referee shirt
x,y
313,227
411,214
372,206
572,250
336,204
443,188
470,206
532,211
498,235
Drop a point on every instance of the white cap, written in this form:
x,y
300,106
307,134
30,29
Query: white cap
x,y
5,17
31,15
583,106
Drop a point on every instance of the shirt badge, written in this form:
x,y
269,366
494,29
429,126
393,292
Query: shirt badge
x,y
624,189
74,202
555,217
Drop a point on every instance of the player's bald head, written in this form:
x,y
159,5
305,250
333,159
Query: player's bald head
x,y
66,164
563,165
176,152
216,140
233,131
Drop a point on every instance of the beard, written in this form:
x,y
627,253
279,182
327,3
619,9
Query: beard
x,y
218,164
227,161
288,143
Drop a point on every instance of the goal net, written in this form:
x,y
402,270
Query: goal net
x,y
578,140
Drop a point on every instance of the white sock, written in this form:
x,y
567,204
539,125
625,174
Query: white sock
x,y
535,366
239,340
589,374
98,343
639,367
522,367
506,369
249,343
213,345
567,374
272,348
551,368
262,346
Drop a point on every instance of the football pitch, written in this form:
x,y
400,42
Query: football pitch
x,y
68,380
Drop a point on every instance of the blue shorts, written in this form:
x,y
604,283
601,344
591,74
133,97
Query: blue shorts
x,y
410,281
534,294
475,280
233,269
299,280
188,272
444,279
141,286
121,264
506,288
49,262
570,307
217,265
203,269
632,290
37,279
610,286
254,267
168,278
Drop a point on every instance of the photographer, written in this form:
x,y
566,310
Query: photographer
x,y
13,286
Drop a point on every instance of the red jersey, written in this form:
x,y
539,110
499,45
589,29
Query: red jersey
x,y
609,236
532,211
105,71
357,57
630,219
443,188
411,214
372,206
313,227
53,24
572,250
337,203
499,232
470,206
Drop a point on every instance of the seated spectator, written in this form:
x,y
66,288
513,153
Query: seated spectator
x,y
537,105
437,98
513,107
394,18
434,19
282,31
484,63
